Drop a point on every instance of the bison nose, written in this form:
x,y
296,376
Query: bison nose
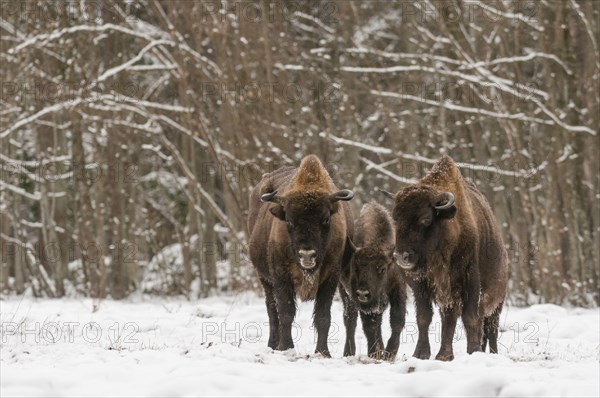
x,y
307,254
362,295
404,260
307,258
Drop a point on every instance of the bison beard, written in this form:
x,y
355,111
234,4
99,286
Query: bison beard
x,y
298,223
450,251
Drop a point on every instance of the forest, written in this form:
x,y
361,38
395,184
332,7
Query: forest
x,y
131,132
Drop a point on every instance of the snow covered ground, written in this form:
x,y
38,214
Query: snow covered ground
x,y
217,346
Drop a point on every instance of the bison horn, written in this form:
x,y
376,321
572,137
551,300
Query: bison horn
x,y
386,193
344,194
448,198
268,197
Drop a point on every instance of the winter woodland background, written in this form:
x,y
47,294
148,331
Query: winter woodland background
x,y
132,131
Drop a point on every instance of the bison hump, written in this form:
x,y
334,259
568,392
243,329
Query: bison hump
x,y
312,173
443,174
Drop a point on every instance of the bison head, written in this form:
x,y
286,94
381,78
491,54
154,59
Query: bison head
x,y
419,214
369,275
308,218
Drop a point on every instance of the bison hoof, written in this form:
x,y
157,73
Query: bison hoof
x,y
349,349
325,353
474,349
284,347
422,353
445,356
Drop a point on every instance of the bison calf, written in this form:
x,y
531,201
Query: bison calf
x,y
373,282
298,229
450,251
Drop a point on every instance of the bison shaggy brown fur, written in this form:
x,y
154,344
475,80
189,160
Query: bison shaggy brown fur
x,y
298,229
450,251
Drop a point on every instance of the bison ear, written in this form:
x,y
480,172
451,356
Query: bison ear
x,y
349,250
278,211
390,253
350,245
447,213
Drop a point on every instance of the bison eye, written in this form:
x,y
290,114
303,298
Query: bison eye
x,y
290,225
326,221
425,222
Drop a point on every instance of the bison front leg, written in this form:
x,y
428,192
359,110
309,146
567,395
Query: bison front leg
x,y
449,318
397,318
322,315
272,312
372,327
424,315
350,317
286,312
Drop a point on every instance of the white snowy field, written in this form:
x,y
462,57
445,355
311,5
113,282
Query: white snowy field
x,y
217,346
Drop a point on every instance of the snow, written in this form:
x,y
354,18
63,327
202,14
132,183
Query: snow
x,y
171,182
217,346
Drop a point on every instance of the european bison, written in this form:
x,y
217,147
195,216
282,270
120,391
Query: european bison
x,y
450,251
373,281
298,230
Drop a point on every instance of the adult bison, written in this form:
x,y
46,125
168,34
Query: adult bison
x,y
374,282
450,251
298,230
